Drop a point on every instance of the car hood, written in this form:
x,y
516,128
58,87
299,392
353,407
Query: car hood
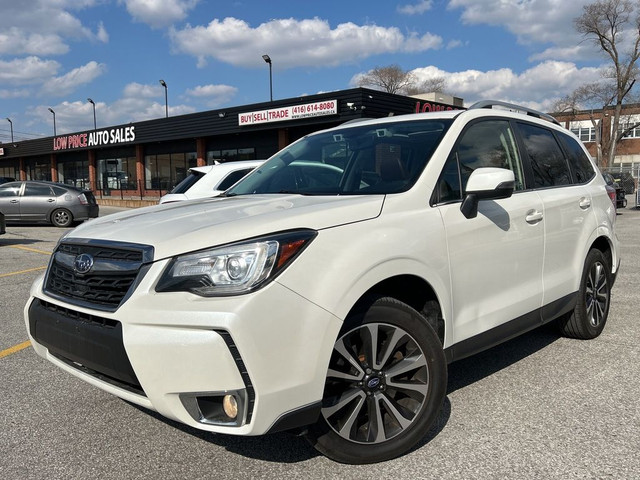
x,y
181,227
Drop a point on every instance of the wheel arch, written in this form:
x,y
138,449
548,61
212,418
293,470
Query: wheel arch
x,y
412,290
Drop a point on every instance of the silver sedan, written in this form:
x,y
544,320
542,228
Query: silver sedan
x,y
36,202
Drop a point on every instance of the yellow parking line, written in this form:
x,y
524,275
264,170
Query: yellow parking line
x,y
19,247
14,349
22,271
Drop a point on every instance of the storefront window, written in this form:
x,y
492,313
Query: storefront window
x,y
164,171
74,173
230,155
117,174
10,170
38,168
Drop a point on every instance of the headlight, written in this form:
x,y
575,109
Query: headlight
x,y
234,269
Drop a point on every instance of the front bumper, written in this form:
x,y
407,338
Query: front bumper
x,y
165,349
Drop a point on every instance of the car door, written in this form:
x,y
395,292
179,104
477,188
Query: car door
x,y
495,258
37,202
568,214
10,200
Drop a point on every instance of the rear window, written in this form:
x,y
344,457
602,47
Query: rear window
x,y
188,182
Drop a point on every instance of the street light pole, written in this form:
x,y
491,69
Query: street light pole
x,y
166,99
54,122
267,59
11,123
94,112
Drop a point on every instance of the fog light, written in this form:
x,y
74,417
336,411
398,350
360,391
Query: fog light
x,y
230,406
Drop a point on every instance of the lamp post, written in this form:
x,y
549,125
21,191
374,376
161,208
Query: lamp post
x,y
166,102
11,123
54,122
267,59
94,112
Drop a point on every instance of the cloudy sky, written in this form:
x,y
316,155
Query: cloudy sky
x,y
57,53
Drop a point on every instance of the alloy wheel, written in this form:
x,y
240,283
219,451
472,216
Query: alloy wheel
x,y
376,385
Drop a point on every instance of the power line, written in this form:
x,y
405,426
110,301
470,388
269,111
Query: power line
x,y
6,133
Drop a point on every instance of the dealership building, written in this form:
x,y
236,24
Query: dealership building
x,y
146,159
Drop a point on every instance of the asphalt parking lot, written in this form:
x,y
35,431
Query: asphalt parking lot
x,y
540,406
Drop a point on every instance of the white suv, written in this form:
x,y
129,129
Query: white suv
x,y
210,180
329,289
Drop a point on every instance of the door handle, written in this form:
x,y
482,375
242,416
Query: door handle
x,y
585,203
13,201
51,200
533,217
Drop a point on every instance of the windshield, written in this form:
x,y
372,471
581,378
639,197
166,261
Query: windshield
x,y
372,159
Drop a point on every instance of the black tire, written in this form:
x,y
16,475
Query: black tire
x,y
592,308
61,217
386,383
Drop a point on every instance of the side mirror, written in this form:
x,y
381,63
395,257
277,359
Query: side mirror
x,y
486,184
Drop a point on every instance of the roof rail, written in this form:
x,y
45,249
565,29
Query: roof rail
x,y
513,107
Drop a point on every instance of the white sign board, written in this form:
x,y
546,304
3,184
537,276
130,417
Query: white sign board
x,y
295,112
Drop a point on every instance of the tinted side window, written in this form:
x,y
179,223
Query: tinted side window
x,y
582,167
232,178
488,143
549,166
31,190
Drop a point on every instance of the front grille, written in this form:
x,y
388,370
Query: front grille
x,y
115,270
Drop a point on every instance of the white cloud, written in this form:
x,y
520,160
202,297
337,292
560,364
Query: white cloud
x,y
159,13
538,87
212,95
416,8
29,70
127,110
102,34
294,43
43,27
143,102
139,102
61,86
532,22
17,42
138,90
18,93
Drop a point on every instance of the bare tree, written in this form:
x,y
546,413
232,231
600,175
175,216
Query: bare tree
x,y
594,96
434,84
604,22
391,79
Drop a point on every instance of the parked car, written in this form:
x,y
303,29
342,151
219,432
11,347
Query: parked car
x,y
2,224
210,180
6,179
328,290
621,201
36,202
